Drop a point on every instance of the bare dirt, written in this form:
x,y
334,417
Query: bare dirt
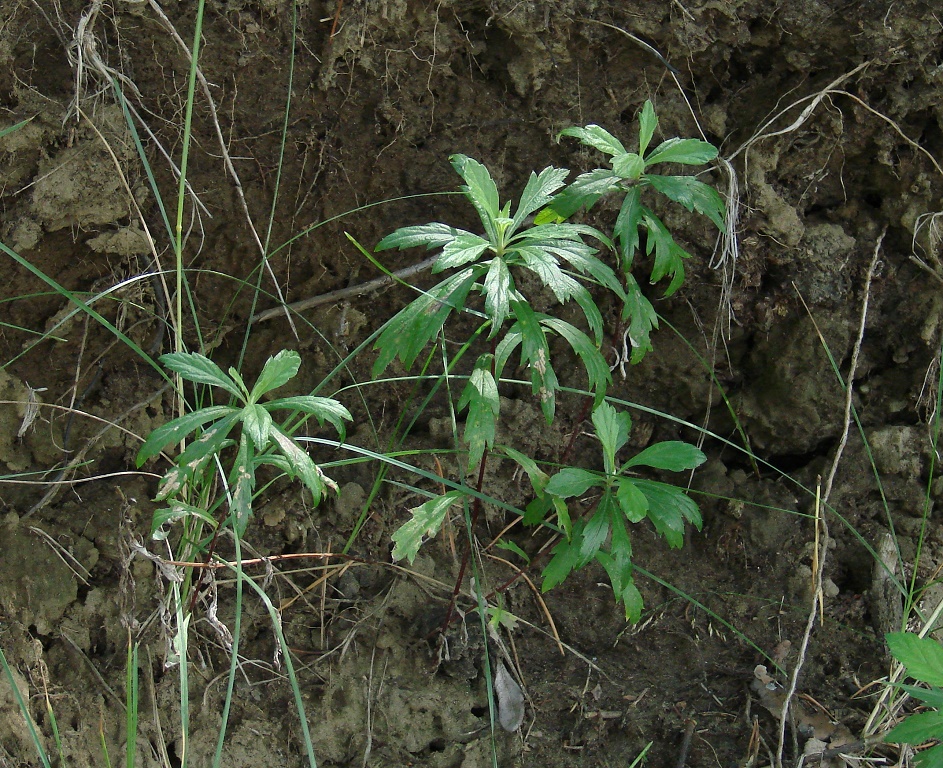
x,y
830,114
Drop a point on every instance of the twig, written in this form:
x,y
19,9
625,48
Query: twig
x,y
345,293
689,725
820,517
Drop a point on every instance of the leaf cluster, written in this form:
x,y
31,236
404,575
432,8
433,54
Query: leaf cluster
x,y
923,658
618,498
261,440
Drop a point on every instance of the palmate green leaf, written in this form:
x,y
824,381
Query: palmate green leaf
x,y
322,408
200,369
462,250
480,190
642,318
669,256
596,137
196,456
626,228
612,428
301,465
481,397
434,235
408,333
692,194
917,729
256,422
633,502
174,431
425,522
585,190
597,370
684,151
923,656
668,508
572,481
498,290
538,192
672,455
648,121
545,266
277,371
242,486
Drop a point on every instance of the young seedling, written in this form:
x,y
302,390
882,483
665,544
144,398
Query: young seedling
x,y
261,440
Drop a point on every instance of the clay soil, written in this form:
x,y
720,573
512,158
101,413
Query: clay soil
x,y
829,115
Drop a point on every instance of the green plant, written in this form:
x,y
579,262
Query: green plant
x,y
628,176
923,658
494,265
261,440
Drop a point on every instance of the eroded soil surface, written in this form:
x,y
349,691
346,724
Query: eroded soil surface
x,y
829,115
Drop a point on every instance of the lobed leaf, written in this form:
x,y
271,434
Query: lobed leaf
x,y
633,502
597,371
672,455
684,151
642,318
923,656
628,166
195,456
242,486
498,290
277,371
538,192
543,264
536,353
200,369
596,530
612,429
462,250
585,190
692,194
566,555
572,481
917,729
481,191
628,221
669,256
174,431
425,522
322,408
668,508
301,465
596,137
177,511
256,422
434,235
648,121
408,333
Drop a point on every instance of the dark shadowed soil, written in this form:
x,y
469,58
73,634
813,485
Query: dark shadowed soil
x,y
829,116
